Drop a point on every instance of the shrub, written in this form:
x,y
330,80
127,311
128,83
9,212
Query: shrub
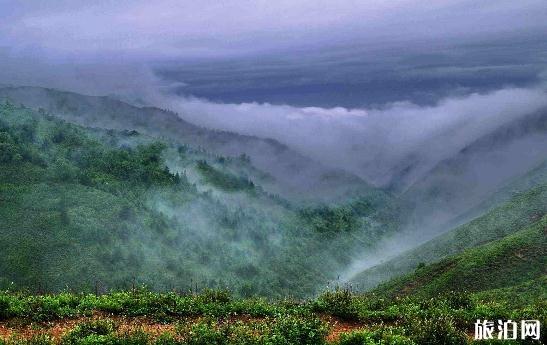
x,y
356,338
338,303
384,336
166,339
202,333
135,338
94,339
5,310
41,339
214,296
92,332
299,330
458,300
436,331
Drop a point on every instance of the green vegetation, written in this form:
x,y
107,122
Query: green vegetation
x,y
214,317
90,209
278,172
223,180
97,225
512,260
521,211
326,219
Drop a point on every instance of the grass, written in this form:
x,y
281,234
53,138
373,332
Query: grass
x,y
215,317
512,260
521,211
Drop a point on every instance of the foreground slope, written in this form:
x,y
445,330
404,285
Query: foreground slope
x,y
521,211
339,317
515,259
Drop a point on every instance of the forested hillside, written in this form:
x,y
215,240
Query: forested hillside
x,y
88,208
289,172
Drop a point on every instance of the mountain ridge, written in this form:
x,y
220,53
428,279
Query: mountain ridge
x,y
296,174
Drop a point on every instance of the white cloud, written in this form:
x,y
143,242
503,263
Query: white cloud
x,y
369,142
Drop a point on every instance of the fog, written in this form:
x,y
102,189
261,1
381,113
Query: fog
x,y
371,143
375,142
426,53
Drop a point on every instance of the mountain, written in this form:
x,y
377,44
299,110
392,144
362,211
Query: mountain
x,y
138,190
458,188
290,173
86,207
512,260
495,147
521,211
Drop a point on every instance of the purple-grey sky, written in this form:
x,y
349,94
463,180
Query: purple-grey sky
x,y
376,80
192,29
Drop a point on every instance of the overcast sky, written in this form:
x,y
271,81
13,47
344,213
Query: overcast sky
x,y
356,83
176,29
286,51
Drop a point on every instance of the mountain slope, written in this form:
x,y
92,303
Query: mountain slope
x,y
499,147
522,210
512,260
293,174
82,206
460,184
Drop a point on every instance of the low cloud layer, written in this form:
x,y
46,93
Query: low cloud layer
x,y
373,143
98,77
377,143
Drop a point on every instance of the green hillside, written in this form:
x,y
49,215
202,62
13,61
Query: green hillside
x,y
288,172
522,210
85,208
532,178
512,260
87,212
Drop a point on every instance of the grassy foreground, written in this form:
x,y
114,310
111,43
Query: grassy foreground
x,y
214,317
